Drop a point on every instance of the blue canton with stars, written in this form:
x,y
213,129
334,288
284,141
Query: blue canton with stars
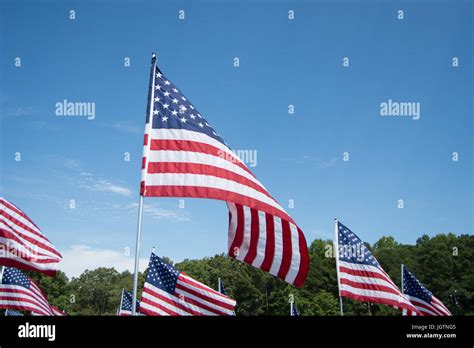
x,y
162,275
295,312
127,301
13,276
413,287
352,249
172,110
12,313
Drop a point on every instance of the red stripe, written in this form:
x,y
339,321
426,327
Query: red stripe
x,y
143,162
175,303
287,249
381,300
22,225
270,243
195,146
201,286
201,295
203,169
29,267
156,305
42,310
213,193
11,236
428,307
22,308
239,232
368,286
363,273
199,304
17,210
254,232
304,261
32,297
145,140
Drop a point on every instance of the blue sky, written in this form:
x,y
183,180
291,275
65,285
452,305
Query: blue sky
x,y
282,62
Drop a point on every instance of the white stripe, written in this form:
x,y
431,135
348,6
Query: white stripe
x,y
278,257
434,310
244,247
153,309
24,304
188,306
209,292
295,255
167,305
438,304
232,226
12,247
33,236
368,280
262,240
376,294
367,268
203,302
18,217
30,296
183,134
157,156
184,179
38,266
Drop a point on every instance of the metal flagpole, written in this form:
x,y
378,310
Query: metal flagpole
x,y
140,204
291,308
1,274
336,252
121,302
219,284
404,311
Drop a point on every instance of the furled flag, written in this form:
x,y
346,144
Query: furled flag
x,y
17,291
184,156
22,244
168,291
57,312
222,289
294,310
421,297
126,304
360,275
13,313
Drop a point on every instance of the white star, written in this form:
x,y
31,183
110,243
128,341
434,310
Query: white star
x,y
158,75
174,112
183,119
157,87
166,93
155,112
175,101
166,106
167,82
164,118
192,116
200,124
175,90
157,99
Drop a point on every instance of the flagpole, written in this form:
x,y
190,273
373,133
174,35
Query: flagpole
x,y
291,308
1,274
151,94
336,251
121,302
404,311
219,284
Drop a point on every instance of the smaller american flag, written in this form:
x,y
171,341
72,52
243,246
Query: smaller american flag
x,y
57,312
421,297
222,289
168,291
13,313
17,291
294,311
126,304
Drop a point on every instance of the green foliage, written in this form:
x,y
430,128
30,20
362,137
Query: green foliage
x,y
443,263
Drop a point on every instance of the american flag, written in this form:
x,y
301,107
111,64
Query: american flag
x,y
17,291
57,312
294,311
360,275
168,291
13,313
184,156
22,244
421,297
126,304
222,289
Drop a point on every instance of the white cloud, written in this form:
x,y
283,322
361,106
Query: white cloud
x,y
78,258
159,213
104,185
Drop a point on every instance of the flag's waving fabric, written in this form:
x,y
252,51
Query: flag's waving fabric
x,y
168,291
126,304
22,244
421,297
360,275
184,156
17,291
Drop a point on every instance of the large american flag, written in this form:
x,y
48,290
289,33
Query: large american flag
x,y
421,297
22,244
360,275
184,156
168,291
126,304
17,291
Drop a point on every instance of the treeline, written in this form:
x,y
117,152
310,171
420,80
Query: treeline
x,y
443,263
